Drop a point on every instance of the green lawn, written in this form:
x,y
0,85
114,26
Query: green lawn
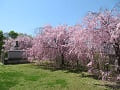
x,y
31,77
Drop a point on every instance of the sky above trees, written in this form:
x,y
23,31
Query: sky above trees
x,y
26,15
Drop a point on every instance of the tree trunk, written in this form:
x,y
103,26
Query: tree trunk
x,y
117,52
119,61
62,60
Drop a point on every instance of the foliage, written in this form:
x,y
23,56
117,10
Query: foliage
x,y
25,42
106,35
1,40
52,43
13,34
93,41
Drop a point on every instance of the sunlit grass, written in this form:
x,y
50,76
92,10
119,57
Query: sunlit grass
x,y
31,77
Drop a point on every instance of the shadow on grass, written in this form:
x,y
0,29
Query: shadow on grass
x,y
66,69
89,76
115,86
79,70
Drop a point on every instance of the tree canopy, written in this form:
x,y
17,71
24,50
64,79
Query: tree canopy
x,y
13,34
1,40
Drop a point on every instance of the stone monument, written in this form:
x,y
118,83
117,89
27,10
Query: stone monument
x,y
15,55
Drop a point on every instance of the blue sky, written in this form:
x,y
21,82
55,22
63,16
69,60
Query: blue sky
x,y
27,15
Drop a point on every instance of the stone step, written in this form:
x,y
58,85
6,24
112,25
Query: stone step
x,y
15,61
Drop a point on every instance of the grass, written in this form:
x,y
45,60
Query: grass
x,y
31,77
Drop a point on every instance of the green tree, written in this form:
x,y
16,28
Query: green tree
x,y
1,40
13,34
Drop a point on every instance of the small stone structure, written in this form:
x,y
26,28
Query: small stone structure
x,y
14,56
